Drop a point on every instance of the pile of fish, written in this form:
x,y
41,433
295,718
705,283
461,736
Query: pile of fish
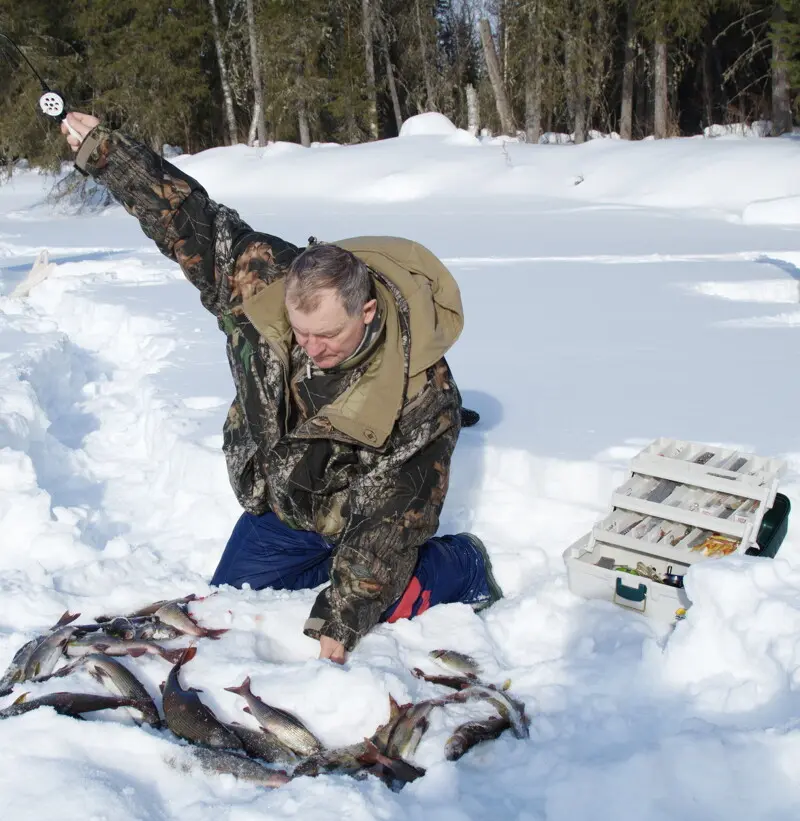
x,y
281,747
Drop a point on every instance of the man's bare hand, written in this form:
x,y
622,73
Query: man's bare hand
x,y
82,124
331,649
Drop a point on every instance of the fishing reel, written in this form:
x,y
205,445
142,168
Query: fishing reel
x,y
51,103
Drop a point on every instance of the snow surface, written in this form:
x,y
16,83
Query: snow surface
x,y
614,293
430,123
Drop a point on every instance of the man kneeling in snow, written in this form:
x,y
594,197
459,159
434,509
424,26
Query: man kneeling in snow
x,y
339,440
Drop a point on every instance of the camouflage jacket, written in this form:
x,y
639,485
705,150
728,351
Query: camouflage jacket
x,y
374,495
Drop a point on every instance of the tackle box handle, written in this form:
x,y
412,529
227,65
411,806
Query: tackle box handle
x,y
631,594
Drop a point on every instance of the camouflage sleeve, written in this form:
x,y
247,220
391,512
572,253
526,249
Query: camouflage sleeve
x,y
219,253
394,509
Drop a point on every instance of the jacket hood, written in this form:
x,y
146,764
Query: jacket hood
x,y
368,410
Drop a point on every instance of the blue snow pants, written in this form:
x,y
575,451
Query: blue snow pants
x,y
264,552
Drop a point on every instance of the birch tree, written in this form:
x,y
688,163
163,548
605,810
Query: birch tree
x,y
258,126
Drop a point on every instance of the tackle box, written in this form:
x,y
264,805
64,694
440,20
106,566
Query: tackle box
x,y
683,502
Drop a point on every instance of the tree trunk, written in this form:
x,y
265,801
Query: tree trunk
x,y
473,111
426,69
641,102
223,76
660,90
628,70
533,113
253,130
533,79
576,93
302,123
493,66
372,96
781,55
398,114
255,63
708,85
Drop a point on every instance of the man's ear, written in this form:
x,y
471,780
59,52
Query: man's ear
x,y
369,310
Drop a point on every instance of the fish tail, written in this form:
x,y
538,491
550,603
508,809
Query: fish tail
x,y
178,656
66,618
213,634
242,690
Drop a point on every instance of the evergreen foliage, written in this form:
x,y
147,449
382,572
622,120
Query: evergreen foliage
x,y
152,67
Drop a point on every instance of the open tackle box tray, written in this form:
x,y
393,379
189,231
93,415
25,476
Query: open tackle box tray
x,y
683,502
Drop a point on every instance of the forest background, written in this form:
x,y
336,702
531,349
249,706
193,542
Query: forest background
x,y
204,73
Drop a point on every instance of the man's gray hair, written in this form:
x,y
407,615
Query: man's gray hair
x,y
321,267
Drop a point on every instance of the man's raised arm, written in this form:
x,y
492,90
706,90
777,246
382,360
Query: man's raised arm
x,y
219,252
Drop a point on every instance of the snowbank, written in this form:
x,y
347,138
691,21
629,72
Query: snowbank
x,y
430,124
719,178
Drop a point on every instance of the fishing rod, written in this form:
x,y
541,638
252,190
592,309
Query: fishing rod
x,y
51,103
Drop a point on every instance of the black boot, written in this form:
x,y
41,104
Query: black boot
x,y
469,418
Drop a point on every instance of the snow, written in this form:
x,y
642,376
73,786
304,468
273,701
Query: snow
x,y
432,123
758,128
655,297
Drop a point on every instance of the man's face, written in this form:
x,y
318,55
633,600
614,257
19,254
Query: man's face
x,y
328,334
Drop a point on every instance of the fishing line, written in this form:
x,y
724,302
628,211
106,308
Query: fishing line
x,y
51,103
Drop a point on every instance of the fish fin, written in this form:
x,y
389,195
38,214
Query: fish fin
x,y
20,699
66,618
371,754
137,653
179,656
203,598
214,634
247,710
242,690
394,707
162,686
194,690
506,685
